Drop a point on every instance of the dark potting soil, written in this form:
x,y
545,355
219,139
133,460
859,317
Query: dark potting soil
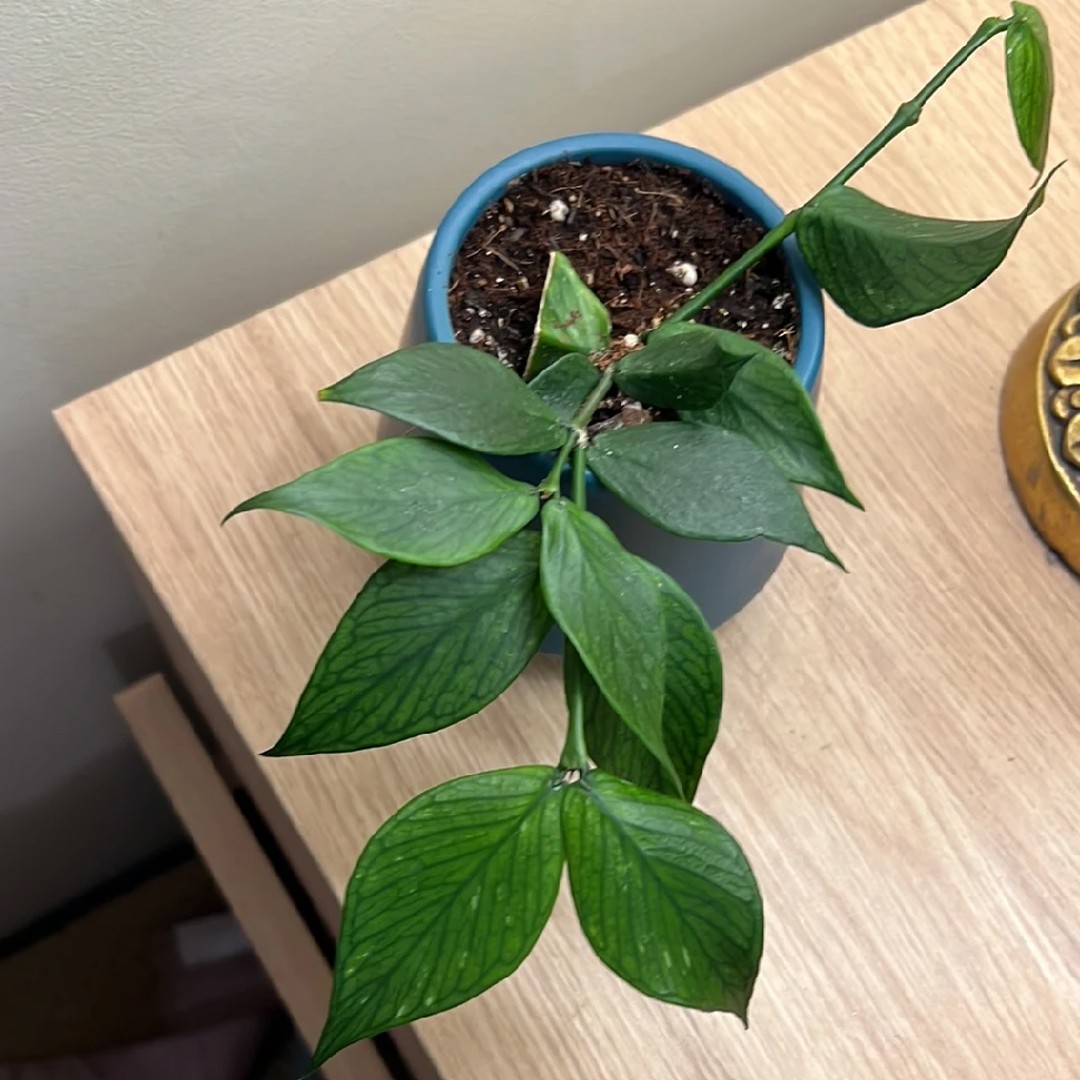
x,y
626,227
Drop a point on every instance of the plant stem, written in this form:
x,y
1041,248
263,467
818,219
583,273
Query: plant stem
x,y
551,485
772,239
590,404
578,489
575,755
907,115
580,422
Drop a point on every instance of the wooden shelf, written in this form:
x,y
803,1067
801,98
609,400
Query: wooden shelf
x,y
900,752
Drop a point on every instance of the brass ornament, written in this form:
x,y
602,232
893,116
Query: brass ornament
x,y
1040,427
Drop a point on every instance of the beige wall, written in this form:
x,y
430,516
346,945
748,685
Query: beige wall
x,y
170,166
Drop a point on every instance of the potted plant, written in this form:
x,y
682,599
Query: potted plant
x,y
641,216
704,431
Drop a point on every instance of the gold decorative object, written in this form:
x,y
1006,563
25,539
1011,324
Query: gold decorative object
x,y
1040,427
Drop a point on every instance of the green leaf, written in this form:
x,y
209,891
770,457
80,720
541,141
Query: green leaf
x,y
883,265
571,319
461,394
608,605
768,404
687,368
420,649
693,695
448,898
417,500
565,385
664,895
704,483
1029,70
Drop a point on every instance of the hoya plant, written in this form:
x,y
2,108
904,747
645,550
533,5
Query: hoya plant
x,y
453,891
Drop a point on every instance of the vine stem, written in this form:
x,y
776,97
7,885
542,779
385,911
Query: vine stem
x,y
578,493
772,239
575,755
907,115
551,484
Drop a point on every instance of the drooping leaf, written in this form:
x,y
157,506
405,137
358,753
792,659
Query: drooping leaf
x,y
883,265
768,404
693,695
687,367
1029,70
416,500
564,385
571,319
608,605
461,394
420,649
704,483
664,895
448,898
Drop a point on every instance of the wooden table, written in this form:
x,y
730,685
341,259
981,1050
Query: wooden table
x,y
900,752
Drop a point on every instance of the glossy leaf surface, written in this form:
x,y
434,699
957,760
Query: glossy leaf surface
x,y
460,394
608,604
693,695
572,319
565,385
417,500
1029,70
704,483
686,367
883,265
420,649
448,898
768,403
664,895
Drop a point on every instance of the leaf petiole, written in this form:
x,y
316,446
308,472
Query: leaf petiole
x,y
575,757
551,485
578,490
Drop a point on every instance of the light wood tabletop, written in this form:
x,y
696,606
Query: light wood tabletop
x,y
900,749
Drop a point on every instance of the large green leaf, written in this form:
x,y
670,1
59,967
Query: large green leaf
x,y
686,367
768,404
448,898
571,319
704,483
664,895
461,394
1029,69
883,265
564,385
693,695
420,649
607,603
417,500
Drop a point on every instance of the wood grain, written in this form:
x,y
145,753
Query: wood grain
x,y
900,753
241,868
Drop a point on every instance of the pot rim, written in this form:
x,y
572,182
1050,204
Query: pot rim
x,y
615,148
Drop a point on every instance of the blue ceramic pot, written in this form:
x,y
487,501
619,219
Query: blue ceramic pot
x,y
720,577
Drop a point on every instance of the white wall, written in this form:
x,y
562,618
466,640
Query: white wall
x,y
170,166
